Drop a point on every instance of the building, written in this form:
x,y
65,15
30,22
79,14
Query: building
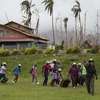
x,y
14,35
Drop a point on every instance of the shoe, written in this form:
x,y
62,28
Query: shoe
x,y
13,82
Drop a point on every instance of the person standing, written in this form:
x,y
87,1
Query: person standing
x,y
33,72
45,70
82,74
73,72
16,72
90,76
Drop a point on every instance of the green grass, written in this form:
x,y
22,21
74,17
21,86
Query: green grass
x,y
25,90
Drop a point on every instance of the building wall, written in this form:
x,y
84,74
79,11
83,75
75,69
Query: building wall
x,y
16,45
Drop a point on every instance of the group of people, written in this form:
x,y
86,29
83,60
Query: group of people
x,y
78,74
52,68
83,73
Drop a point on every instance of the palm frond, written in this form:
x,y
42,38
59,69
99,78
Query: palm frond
x,y
48,6
78,3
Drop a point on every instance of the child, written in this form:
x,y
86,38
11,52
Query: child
x,y
17,72
59,76
33,72
54,78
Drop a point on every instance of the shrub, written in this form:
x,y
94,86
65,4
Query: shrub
x,y
39,51
49,51
93,50
16,52
73,50
4,52
29,51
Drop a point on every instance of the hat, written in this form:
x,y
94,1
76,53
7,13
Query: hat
x,y
47,62
90,59
19,65
4,63
74,63
79,64
59,69
54,59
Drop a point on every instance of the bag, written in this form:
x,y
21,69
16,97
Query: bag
x,y
65,83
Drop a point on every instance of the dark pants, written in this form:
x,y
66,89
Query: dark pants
x,y
90,85
16,78
45,82
74,81
82,80
3,78
34,78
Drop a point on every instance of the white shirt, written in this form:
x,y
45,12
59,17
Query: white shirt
x,y
3,70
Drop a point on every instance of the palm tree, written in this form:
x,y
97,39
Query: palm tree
x,y
81,28
76,10
49,7
26,8
65,26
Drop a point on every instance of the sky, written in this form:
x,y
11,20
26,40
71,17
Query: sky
x,y
11,10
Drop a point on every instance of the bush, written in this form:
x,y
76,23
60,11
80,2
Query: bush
x,y
4,52
16,52
49,51
93,50
29,51
73,50
39,51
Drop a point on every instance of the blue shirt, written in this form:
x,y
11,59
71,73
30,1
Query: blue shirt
x,y
17,71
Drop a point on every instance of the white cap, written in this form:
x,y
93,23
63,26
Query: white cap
x,y
4,63
47,62
19,65
79,64
60,69
74,63
90,59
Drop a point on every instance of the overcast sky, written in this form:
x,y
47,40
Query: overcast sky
x,y
11,10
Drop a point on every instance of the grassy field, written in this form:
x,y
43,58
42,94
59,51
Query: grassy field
x,y
25,90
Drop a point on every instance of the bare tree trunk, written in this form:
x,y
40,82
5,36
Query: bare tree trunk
x,y
66,35
53,29
81,33
76,37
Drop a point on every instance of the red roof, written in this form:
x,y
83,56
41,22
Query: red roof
x,y
19,36
32,35
18,24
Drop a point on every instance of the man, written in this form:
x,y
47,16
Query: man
x,y
90,76
45,70
3,69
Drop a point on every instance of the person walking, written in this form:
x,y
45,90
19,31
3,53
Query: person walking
x,y
73,73
45,70
33,72
82,74
16,72
90,76
3,72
